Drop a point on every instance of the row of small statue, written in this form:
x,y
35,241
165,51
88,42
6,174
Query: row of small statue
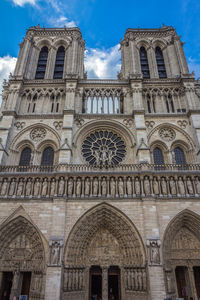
x,y
121,186
135,279
73,280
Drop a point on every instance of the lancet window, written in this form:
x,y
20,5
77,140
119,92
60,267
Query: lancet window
x,y
47,157
144,63
179,156
59,64
158,156
25,157
160,63
42,63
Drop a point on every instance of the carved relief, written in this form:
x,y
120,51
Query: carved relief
x,y
79,121
128,122
55,252
135,279
167,134
37,134
73,279
182,123
149,124
185,240
58,125
154,251
20,125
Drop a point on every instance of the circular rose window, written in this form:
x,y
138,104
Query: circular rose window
x,y
103,148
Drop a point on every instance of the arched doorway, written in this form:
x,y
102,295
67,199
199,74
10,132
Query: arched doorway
x,y
22,261
181,252
104,258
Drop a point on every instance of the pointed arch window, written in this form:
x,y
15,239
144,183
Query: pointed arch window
x,y
179,156
25,157
42,63
160,63
158,156
144,63
59,64
47,157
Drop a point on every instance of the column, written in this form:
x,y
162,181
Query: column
x,y
104,283
152,63
15,291
87,283
181,56
192,283
50,63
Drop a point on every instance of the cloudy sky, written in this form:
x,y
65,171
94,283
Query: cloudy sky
x,y
103,23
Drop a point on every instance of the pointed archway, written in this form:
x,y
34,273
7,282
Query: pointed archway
x,y
181,253
104,241
22,259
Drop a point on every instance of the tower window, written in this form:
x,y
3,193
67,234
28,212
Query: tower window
x,y
47,157
160,63
144,63
25,157
59,64
179,156
158,156
42,63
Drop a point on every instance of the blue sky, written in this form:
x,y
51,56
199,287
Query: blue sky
x,y
103,23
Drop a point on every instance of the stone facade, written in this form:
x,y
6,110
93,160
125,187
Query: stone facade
x,y
100,179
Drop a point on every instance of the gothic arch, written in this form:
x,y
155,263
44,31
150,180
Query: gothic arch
x,y
106,218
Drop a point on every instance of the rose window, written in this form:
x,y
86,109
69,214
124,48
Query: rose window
x,y
103,148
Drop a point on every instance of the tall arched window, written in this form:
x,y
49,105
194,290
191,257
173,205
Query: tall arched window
x,y
144,63
47,157
179,156
42,63
59,64
160,63
25,157
158,156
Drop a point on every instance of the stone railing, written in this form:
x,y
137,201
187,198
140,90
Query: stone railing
x,y
74,181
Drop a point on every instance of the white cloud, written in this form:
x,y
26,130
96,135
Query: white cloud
x,y
194,65
7,65
61,22
103,63
23,2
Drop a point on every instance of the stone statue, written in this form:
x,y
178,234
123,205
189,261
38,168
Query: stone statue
x,y
53,187
55,253
129,186
147,189
163,186
97,156
110,156
104,187
44,187
12,187
181,187
112,187
20,187
154,253
144,280
137,186
172,185
78,187
61,186
36,190
70,187
121,187
95,187
4,187
87,187
189,186
28,187
169,282
139,278
155,186
197,185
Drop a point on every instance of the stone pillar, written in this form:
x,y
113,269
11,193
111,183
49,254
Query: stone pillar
x,y
23,57
181,56
122,281
50,63
15,291
173,61
87,283
104,283
192,283
152,63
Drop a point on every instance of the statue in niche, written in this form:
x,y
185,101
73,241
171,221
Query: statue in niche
x,y
37,282
129,186
20,187
70,187
97,157
4,187
155,186
172,185
95,187
147,188
28,187
53,187
44,187
61,186
181,186
55,253
154,252
137,186
139,278
36,190
12,187
189,186
121,187
104,187
163,186
169,282
112,187
197,185
78,187
87,187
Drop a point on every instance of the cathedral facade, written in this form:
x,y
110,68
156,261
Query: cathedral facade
x,y
100,179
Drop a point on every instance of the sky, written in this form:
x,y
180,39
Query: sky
x,y
102,23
